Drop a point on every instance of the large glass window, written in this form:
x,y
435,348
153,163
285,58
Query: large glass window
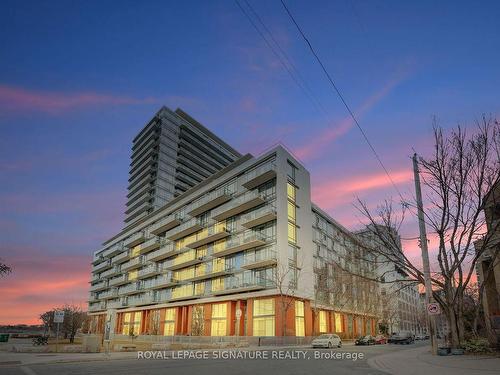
x,y
338,323
292,233
299,319
263,317
217,284
136,327
219,319
126,323
323,328
291,212
169,322
290,191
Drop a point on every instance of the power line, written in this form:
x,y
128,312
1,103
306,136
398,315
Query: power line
x,y
339,93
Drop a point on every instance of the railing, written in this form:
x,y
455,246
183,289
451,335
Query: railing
x,y
184,226
101,266
131,288
258,213
259,256
134,238
254,173
165,221
115,304
241,239
118,280
97,306
111,271
151,269
120,257
112,293
239,201
162,251
218,193
99,285
135,262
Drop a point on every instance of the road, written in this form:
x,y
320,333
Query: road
x,y
305,362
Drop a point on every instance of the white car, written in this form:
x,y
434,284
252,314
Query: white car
x,y
327,340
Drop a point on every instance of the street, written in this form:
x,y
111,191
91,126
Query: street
x,y
305,364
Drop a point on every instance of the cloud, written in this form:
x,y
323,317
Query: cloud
x,y
315,146
331,193
15,99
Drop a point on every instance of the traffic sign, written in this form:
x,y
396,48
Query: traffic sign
x,y
433,308
58,316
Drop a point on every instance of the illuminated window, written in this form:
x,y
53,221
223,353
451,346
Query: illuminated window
x,y
218,264
182,291
322,322
185,274
219,319
290,191
201,251
126,323
217,284
132,275
200,269
169,323
199,288
220,245
338,323
291,212
136,250
299,319
136,326
292,233
263,317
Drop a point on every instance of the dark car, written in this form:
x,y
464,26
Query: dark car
x,y
365,340
403,337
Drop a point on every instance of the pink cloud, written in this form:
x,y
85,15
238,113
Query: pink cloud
x,y
331,193
318,144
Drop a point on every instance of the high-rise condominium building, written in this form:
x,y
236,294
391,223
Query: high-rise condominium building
x,y
170,155
242,253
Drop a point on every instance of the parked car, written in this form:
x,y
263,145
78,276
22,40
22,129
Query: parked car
x,y
420,337
403,337
365,340
380,339
327,340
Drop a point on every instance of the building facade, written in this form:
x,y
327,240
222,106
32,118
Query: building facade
x,y
171,154
242,253
399,295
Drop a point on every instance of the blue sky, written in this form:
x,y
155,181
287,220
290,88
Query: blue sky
x,y
79,79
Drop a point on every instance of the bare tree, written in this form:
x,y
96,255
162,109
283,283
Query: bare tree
x,y
457,177
74,317
4,269
285,282
198,321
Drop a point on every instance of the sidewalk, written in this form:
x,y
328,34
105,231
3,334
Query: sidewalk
x,y
419,361
11,358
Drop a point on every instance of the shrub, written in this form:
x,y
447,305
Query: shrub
x,y
478,345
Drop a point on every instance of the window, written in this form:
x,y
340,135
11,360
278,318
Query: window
x,y
338,323
292,233
132,275
169,322
263,317
219,319
217,284
136,250
136,326
291,212
199,288
126,323
299,319
290,170
218,265
290,191
322,322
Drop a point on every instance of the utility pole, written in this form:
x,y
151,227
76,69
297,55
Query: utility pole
x,y
425,255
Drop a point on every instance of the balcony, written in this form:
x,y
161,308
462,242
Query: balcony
x,y
151,244
99,286
113,250
132,264
210,234
258,217
213,273
244,202
129,289
109,294
209,201
98,258
163,252
120,280
143,299
186,259
102,266
120,258
150,270
243,282
243,241
111,272
115,304
99,306
135,239
165,224
260,259
259,175
164,281
185,229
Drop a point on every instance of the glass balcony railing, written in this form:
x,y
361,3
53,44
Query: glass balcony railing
x,y
163,281
135,239
165,224
115,281
209,201
245,281
113,250
239,242
99,306
162,253
259,216
184,229
259,175
111,293
99,286
133,263
209,234
259,259
129,289
237,205
120,258
102,266
148,271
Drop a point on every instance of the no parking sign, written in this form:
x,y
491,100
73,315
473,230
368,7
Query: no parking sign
x,y
433,308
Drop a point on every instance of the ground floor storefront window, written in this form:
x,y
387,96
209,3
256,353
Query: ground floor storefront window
x,y
264,317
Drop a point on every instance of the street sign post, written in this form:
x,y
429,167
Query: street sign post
x,y
58,319
433,308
